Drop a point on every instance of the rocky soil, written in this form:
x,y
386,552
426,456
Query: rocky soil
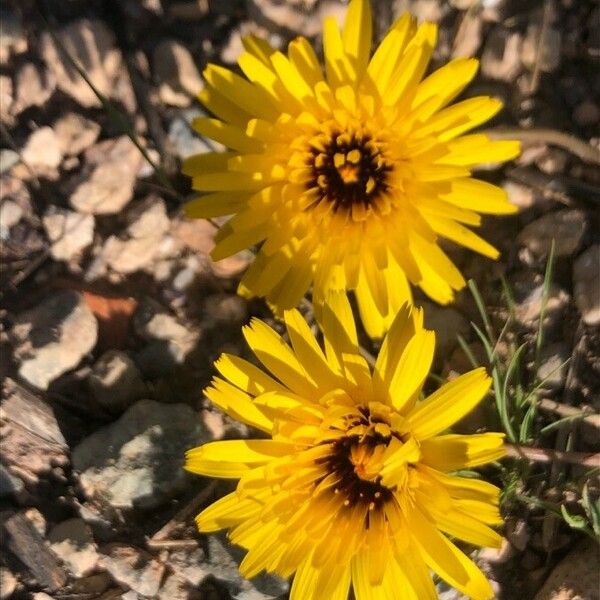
x,y
113,312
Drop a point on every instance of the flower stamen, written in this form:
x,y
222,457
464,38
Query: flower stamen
x,y
347,171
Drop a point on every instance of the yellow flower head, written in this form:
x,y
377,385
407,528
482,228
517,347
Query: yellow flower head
x,y
347,176
354,485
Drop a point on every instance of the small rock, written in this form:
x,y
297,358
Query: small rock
x,y
9,484
10,215
75,133
8,159
225,309
37,519
553,161
33,86
115,381
575,577
189,10
152,222
197,235
497,556
137,461
447,323
134,569
186,276
12,36
427,10
233,265
6,99
501,54
587,113
468,37
586,285
109,188
176,588
152,322
161,357
304,18
145,241
183,138
528,307
129,256
566,227
553,367
544,53
73,543
178,76
42,151
33,446
42,596
94,585
171,341
69,232
92,45
8,583
519,195
224,558
190,565
463,4
53,337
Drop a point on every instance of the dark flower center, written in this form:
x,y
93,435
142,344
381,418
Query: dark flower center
x,y
348,170
354,459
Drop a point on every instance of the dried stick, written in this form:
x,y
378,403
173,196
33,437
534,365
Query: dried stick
x,y
574,145
545,455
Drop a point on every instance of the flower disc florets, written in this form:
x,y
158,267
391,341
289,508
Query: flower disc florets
x,y
348,173
354,485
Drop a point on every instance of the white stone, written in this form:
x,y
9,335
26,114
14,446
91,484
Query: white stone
x,y
69,232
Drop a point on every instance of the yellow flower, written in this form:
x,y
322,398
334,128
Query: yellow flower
x,y
354,485
347,177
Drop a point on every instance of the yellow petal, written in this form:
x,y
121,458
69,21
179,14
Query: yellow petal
x,y
341,341
308,351
460,117
278,357
237,404
255,452
357,34
305,60
445,84
478,195
412,66
454,452
446,559
412,369
246,376
461,235
404,326
291,77
415,575
228,135
215,205
210,162
390,50
476,149
251,98
463,488
259,48
222,107
449,404
227,512
337,65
